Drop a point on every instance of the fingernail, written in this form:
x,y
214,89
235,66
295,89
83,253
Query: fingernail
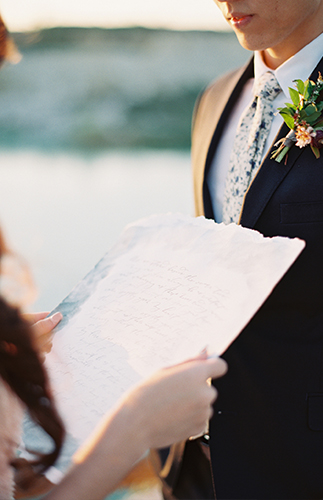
x,y
213,356
56,317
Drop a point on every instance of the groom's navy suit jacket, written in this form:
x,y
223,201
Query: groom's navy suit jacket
x,y
267,430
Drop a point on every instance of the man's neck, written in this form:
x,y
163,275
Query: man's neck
x,y
275,56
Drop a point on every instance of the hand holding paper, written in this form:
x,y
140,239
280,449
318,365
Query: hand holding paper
x,y
171,286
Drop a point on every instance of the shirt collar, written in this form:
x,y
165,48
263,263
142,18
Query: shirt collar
x,y
299,66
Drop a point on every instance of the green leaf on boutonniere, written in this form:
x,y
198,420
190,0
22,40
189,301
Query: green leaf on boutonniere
x,y
295,97
316,151
304,117
309,85
310,109
290,110
313,117
289,120
300,86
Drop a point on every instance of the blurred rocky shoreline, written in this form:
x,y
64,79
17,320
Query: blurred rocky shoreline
x,y
91,89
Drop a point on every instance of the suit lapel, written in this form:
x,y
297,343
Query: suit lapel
x,y
241,79
246,75
270,175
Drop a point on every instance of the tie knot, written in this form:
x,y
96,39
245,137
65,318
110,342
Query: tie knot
x,y
267,86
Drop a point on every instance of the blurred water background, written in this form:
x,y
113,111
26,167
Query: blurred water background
x,y
94,134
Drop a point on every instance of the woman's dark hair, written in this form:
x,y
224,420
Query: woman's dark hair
x,y
22,370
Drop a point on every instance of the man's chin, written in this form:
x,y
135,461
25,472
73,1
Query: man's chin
x,y
251,43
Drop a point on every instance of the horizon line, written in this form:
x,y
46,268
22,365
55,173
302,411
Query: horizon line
x,y
215,29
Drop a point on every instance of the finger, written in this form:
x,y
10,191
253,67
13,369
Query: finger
x,y
199,357
213,394
46,325
45,340
216,367
46,344
34,317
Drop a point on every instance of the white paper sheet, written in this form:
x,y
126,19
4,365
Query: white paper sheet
x,y
171,286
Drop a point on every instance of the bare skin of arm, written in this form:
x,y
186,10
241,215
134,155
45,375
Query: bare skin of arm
x,y
170,406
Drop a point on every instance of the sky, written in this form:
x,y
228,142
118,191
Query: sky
x,y
22,15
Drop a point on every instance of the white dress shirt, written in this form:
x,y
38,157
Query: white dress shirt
x,y
299,66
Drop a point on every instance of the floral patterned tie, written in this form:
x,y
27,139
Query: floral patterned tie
x,y
248,146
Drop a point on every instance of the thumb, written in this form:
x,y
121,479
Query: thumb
x,y
216,367
46,325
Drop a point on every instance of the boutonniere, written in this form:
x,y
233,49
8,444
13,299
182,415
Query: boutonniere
x,y
304,118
